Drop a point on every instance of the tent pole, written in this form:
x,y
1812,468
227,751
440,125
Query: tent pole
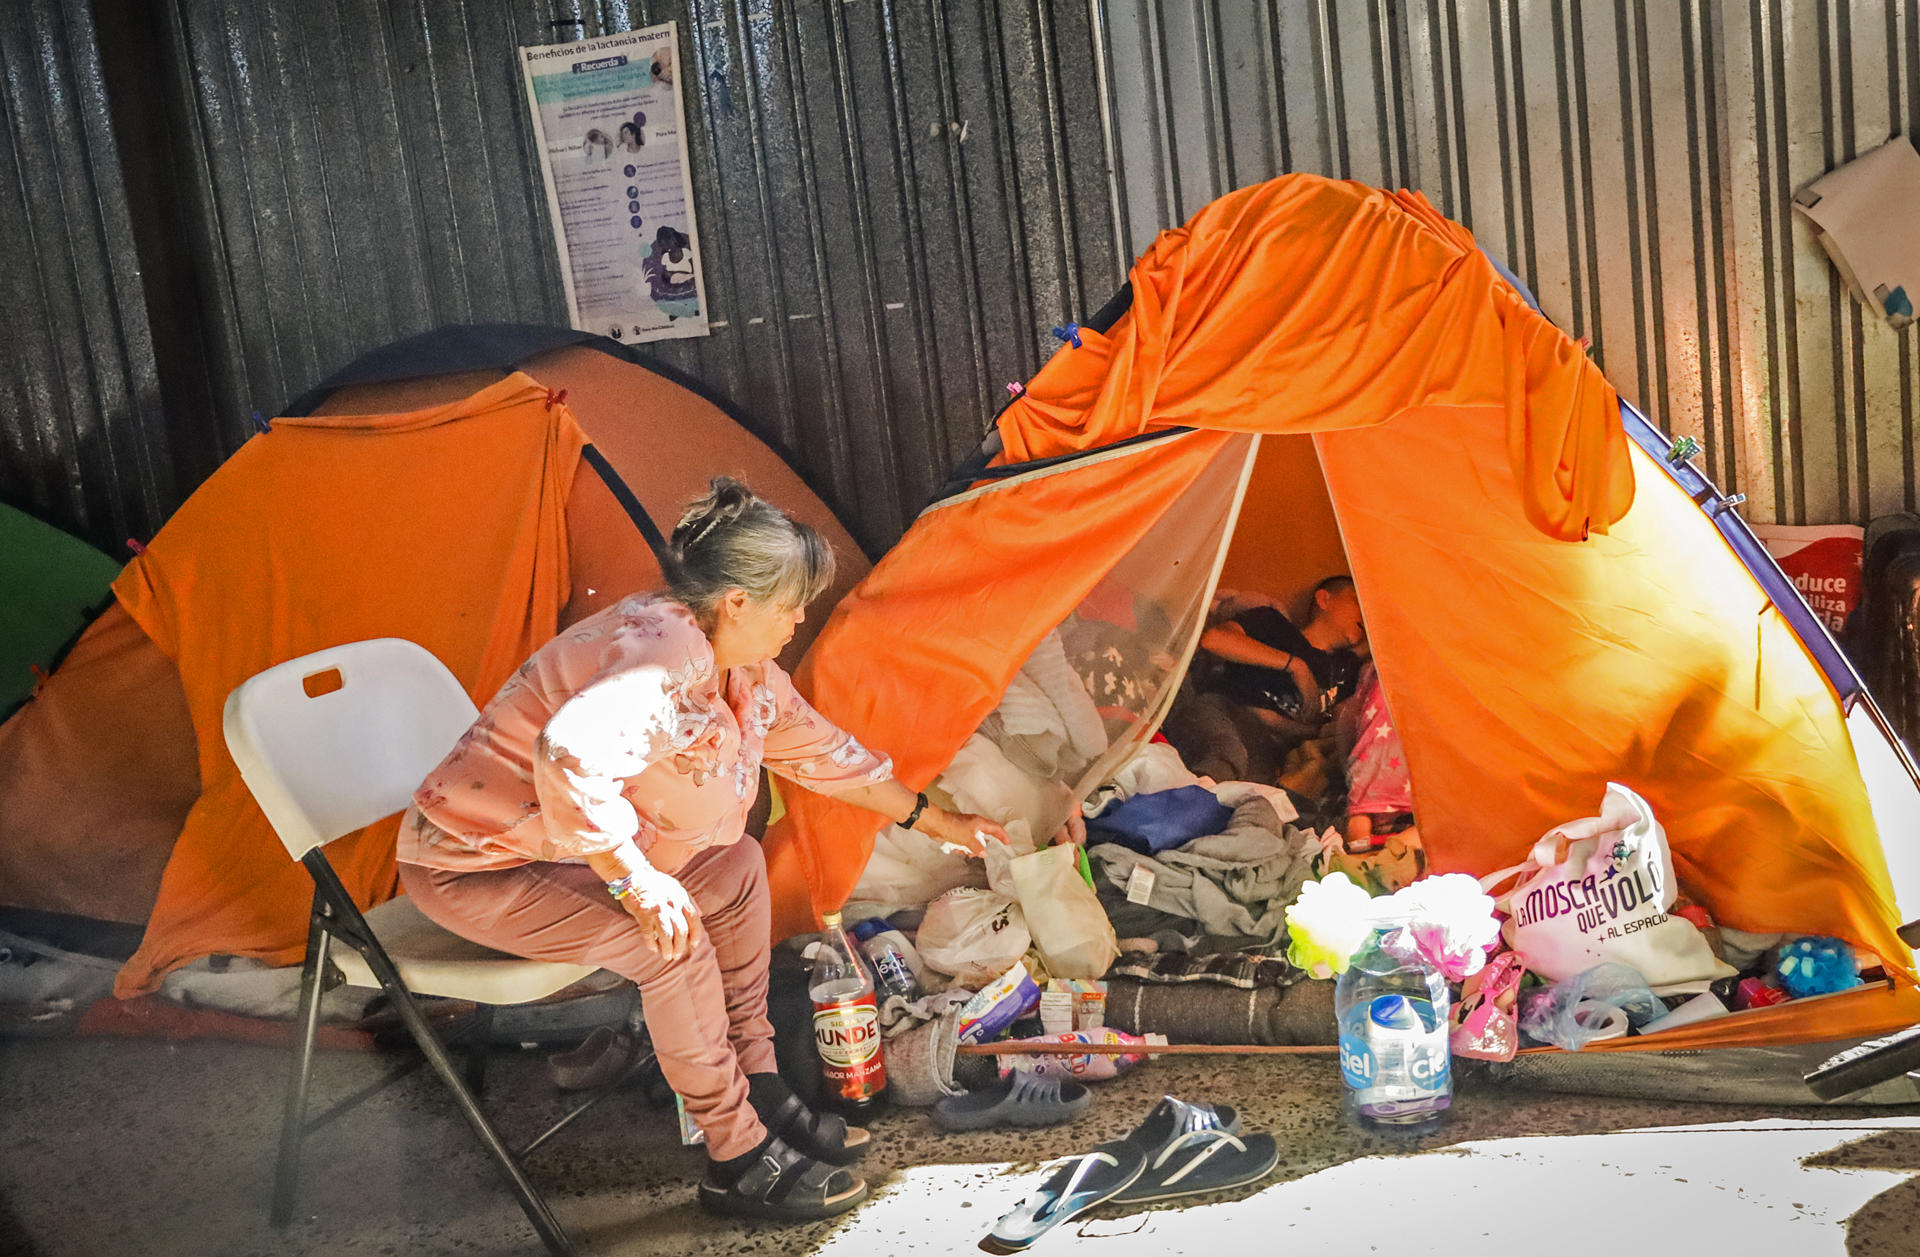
x,y
1146,1049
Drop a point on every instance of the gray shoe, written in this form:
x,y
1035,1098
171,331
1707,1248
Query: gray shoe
x,y
1018,1099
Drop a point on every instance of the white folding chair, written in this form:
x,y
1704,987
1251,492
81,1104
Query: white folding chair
x,y
330,743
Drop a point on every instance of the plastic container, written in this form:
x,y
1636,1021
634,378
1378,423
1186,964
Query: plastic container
x,y
896,966
846,1026
1087,1066
1394,1055
997,1005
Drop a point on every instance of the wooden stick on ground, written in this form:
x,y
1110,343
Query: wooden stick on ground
x,y
1144,1049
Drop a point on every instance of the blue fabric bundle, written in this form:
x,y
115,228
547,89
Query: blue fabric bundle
x,y
1150,823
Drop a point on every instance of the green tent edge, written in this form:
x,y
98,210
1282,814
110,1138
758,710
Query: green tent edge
x,y
51,586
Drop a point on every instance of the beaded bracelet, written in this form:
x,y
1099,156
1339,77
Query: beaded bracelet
x,y
620,888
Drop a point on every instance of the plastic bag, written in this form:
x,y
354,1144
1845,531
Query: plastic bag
x,y
974,935
1597,1004
1598,890
1064,915
982,779
1483,1018
909,869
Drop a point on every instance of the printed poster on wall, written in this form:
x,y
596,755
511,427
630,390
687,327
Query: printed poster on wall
x,y
1822,561
611,133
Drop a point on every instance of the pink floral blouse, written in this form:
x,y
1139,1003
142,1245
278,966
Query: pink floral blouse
x,y
616,731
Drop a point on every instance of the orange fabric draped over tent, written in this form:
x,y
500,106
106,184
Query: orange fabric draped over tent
x,y
1549,610
446,526
1305,305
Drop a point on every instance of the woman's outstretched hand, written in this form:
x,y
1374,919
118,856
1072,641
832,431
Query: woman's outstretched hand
x,y
961,829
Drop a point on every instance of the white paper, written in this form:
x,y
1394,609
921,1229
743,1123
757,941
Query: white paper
x,y
1140,884
610,132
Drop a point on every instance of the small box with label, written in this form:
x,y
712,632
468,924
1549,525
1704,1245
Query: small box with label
x,y
1057,1007
1089,1004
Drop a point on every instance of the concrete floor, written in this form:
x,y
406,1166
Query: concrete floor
x,y
133,1147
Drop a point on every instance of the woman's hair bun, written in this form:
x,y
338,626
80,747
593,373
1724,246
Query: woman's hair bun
x,y
726,501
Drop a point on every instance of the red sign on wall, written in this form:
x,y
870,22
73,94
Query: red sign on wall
x,y
1822,561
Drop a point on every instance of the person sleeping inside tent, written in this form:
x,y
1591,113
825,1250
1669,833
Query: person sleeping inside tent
x,y
1303,707
1261,686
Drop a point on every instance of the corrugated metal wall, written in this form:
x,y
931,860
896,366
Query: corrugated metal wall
x,y
1634,162
898,197
82,434
896,200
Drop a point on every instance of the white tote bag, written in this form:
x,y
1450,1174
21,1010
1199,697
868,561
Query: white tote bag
x,y
1598,890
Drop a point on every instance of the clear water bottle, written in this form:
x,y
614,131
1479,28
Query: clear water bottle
x,y
896,968
1393,1037
846,1025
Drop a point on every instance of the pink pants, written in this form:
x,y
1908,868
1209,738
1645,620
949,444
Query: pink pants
x,y
707,1013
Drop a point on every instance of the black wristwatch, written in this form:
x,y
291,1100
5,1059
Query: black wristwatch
x,y
919,806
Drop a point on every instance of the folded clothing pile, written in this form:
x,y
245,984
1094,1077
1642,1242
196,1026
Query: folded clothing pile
x,y
1236,883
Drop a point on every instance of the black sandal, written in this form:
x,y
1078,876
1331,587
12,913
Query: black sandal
x,y
784,1186
1196,1148
822,1136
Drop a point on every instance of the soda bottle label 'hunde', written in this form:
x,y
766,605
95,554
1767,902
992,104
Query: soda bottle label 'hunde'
x,y
846,1025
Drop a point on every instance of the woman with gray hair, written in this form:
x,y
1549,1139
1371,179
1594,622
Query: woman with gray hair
x,y
595,814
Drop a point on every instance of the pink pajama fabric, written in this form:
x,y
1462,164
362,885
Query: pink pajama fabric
x,y
620,735
1378,782
707,1013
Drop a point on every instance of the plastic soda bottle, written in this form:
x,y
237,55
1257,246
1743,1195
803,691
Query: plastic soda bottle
x,y
894,964
1394,1054
846,1025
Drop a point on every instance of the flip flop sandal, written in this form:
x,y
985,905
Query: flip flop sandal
x,y
1019,1099
785,1186
1204,1160
1173,1117
822,1136
1082,1183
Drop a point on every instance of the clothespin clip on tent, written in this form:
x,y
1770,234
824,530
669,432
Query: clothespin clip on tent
x,y
1069,334
1016,389
260,424
1683,448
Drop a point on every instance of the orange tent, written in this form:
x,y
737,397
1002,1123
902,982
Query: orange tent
x,y
425,482
1328,377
